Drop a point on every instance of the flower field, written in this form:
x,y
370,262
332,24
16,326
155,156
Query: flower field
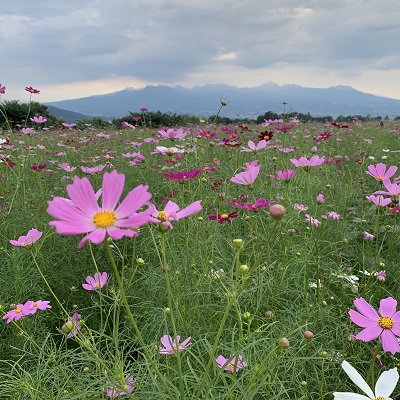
x,y
200,262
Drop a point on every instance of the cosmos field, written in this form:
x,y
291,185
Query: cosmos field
x,y
200,262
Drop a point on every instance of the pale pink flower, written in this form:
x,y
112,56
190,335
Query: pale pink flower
x,y
368,236
31,237
114,391
312,221
171,133
246,177
92,170
85,216
167,150
385,325
95,282
333,215
307,164
379,171
232,364
171,346
172,213
254,147
379,201
286,175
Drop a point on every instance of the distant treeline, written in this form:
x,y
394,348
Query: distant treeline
x,y
18,115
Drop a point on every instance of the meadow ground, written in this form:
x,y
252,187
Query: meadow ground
x,y
262,295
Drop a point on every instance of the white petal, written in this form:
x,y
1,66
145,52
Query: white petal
x,y
386,383
357,379
349,396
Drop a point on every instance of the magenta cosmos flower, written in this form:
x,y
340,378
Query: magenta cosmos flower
x,y
307,164
31,237
231,364
84,216
224,217
379,172
2,89
385,325
31,90
172,213
247,177
95,282
171,346
183,175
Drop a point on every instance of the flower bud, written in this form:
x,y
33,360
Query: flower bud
x,y
308,335
238,243
277,211
285,343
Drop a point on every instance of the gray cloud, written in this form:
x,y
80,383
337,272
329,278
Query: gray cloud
x,y
163,40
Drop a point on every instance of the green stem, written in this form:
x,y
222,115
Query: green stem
x,y
134,324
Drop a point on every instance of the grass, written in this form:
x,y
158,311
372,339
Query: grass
x,y
196,280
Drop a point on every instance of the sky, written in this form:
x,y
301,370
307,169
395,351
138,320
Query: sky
x,y
78,48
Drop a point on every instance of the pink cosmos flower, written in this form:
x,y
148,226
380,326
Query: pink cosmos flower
x,y
67,125
254,147
125,124
95,282
31,90
307,164
114,391
379,172
171,346
2,89
92,170
231,364
171,133
249,165
37,305
39,120
260,203
31,237
286,175
182,175
85,216
66,167
392,189
379,201
333,215
312,221
172,213
18,312
300,207
247,177
385,325
368,236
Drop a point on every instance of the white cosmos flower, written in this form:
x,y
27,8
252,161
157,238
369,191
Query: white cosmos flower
x,y
383,388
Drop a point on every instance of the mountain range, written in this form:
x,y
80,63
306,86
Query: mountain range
x,y
205,101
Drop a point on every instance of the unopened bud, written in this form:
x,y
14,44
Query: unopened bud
x,y
308,335
277,211
285,343
238,243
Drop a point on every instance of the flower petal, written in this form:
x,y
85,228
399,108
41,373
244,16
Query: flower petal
x,y
389,341
82,195
349,396
362,320
113,185
386,383
387,307
369,333
365,308
354,375
135,199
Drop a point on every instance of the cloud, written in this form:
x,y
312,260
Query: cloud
x,y
53,44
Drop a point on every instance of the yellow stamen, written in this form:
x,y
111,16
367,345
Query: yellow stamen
x,y
162,216
224,216
18,310
380,177
104,219
386,322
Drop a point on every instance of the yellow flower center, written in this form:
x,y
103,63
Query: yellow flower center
x,y
380,177
35,304
379,398
104,219
385,323
162,216
18,310
224,216
98,285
